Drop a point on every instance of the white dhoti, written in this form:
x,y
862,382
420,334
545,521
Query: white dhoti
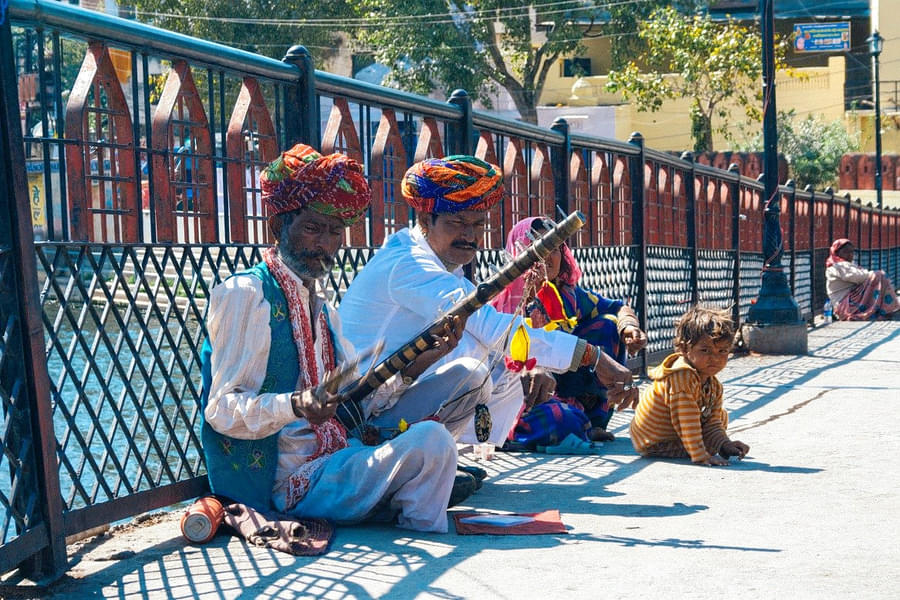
x,y
451,393
409,477
505,403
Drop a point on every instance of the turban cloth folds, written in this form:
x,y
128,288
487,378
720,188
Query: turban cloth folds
x,y
332,185
452,184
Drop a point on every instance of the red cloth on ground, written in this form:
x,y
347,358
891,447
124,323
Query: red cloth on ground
x,y
544,522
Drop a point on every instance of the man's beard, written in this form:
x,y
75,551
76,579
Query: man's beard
x,y
305,263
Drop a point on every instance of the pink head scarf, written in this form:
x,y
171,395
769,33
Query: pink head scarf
x,y
569,273
835,248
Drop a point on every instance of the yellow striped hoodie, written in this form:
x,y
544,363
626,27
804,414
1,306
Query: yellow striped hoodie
x,y
679,406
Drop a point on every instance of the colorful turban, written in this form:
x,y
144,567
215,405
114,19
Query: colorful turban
x,y
332,185
452,184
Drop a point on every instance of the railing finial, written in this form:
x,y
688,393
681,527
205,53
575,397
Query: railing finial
x,y
296,52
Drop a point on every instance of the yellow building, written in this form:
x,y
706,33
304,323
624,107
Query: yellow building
x,y
833,85
816,90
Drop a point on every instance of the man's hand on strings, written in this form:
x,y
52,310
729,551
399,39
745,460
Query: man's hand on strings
x,y
538,386
316,405
442,344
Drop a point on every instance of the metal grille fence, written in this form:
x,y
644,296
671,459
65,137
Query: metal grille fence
x,y
124,326
669,293
145,194
19,491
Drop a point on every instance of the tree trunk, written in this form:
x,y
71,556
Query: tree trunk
x,y
528,114
701,131
525,103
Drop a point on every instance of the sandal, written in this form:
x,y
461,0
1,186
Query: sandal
x,y
477,473
513,446
463,486
573,445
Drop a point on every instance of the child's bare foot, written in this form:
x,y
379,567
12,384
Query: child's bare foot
x,y
598,434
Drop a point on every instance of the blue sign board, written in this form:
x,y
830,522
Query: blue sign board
x,y
822,37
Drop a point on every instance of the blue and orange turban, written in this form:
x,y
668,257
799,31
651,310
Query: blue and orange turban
x,y
452,184
332,185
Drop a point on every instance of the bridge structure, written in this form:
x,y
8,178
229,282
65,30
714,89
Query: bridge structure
x,y
130,187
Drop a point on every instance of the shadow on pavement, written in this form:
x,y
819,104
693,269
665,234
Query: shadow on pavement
x,y
399,564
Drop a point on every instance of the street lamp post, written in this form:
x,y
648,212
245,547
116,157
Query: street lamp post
x,y
774,322
876,44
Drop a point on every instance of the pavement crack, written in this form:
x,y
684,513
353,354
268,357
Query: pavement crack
x,y
789,411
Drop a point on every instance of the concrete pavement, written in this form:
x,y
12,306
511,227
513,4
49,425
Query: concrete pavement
x,y
812,512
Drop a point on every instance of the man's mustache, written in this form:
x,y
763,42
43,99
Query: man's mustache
x,y
464,244
311,255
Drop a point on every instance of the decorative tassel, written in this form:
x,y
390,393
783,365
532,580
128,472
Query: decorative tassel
x,y
519,349
552,301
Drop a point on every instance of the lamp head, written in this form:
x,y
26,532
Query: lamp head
x,y
876,43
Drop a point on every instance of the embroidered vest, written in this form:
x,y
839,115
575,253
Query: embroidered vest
x,y
244,470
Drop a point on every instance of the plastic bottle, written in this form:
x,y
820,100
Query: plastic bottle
x,y
827,311
202,519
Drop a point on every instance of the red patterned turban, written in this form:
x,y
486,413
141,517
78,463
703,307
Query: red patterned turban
x,y
332,185
452,184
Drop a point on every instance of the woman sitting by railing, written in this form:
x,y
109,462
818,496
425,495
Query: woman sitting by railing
x,y
857,294
549,295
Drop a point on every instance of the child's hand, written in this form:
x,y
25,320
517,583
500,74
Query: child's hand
x,y
734,448
716,461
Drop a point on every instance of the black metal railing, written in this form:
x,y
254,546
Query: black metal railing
x,y
136,153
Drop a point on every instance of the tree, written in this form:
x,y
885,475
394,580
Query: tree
x,y
623,20
712,64
252,25
476,45
812,146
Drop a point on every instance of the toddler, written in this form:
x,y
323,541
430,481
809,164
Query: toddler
x,y
681,414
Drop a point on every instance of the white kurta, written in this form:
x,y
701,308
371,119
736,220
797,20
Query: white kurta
x,y
238,326
405,287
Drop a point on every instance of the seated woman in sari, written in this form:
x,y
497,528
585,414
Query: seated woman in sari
x,y
549,295
857,294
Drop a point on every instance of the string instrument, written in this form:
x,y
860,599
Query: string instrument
x,y
350,413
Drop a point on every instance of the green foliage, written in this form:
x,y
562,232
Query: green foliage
x,y
268,39
812,146
712,64
624,18
475,46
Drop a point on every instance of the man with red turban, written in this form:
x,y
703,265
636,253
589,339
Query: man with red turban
x,y
417,274
269,434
